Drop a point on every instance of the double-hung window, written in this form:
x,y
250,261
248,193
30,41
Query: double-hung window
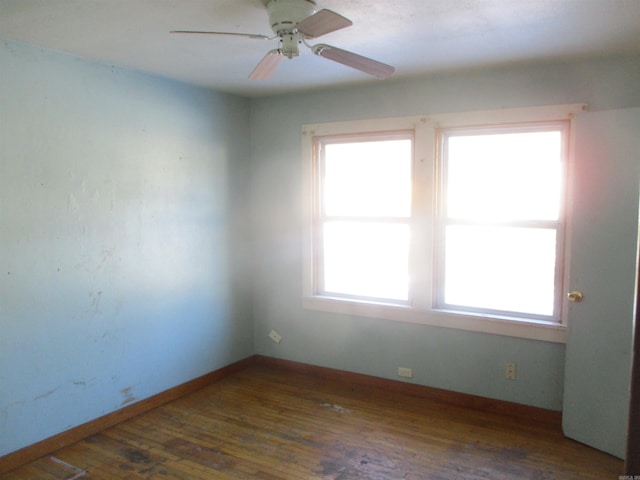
x,y
363,216
500,242
455,220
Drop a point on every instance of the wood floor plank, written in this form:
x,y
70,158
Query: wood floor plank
x,y
269,424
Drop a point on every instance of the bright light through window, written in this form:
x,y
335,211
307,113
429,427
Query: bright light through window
x,y
500,225
500,268
371,178
515,176
364,216
366,259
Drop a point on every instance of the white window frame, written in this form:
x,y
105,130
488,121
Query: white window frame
x,y
423,298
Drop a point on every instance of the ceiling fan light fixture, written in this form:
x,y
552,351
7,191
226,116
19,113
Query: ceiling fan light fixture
x,y
289,45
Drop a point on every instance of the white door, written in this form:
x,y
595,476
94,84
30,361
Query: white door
x,y
604,236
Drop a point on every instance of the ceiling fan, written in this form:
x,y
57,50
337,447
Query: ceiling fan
x,y
296,21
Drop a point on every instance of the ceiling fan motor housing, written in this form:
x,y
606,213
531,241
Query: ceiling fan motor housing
x,y
284,15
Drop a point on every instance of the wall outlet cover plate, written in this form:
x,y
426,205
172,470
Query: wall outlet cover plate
x,y
275,336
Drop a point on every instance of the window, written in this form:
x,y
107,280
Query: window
x,y
363,216
500,220
454,220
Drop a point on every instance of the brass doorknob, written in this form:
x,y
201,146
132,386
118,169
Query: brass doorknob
x,y
575,296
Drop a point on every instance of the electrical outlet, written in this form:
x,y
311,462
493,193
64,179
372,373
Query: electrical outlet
x,y
510,371
275,336
405,372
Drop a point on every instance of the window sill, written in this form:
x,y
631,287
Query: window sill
x,y
521,328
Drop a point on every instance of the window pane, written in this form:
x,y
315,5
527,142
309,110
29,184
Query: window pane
x,y
367,259
500,268
368,178
511,176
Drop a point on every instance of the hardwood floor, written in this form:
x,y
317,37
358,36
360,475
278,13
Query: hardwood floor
x,y
265,423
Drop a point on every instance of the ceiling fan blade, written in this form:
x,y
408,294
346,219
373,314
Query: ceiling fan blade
x,y
267,65
322,22
353,60
249,35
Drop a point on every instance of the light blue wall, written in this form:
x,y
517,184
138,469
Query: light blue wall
x,y
445,358
121,203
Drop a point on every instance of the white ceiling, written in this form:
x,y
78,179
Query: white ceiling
x,y
416,36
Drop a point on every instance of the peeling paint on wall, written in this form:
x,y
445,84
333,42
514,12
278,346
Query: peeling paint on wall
x,y
129,398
